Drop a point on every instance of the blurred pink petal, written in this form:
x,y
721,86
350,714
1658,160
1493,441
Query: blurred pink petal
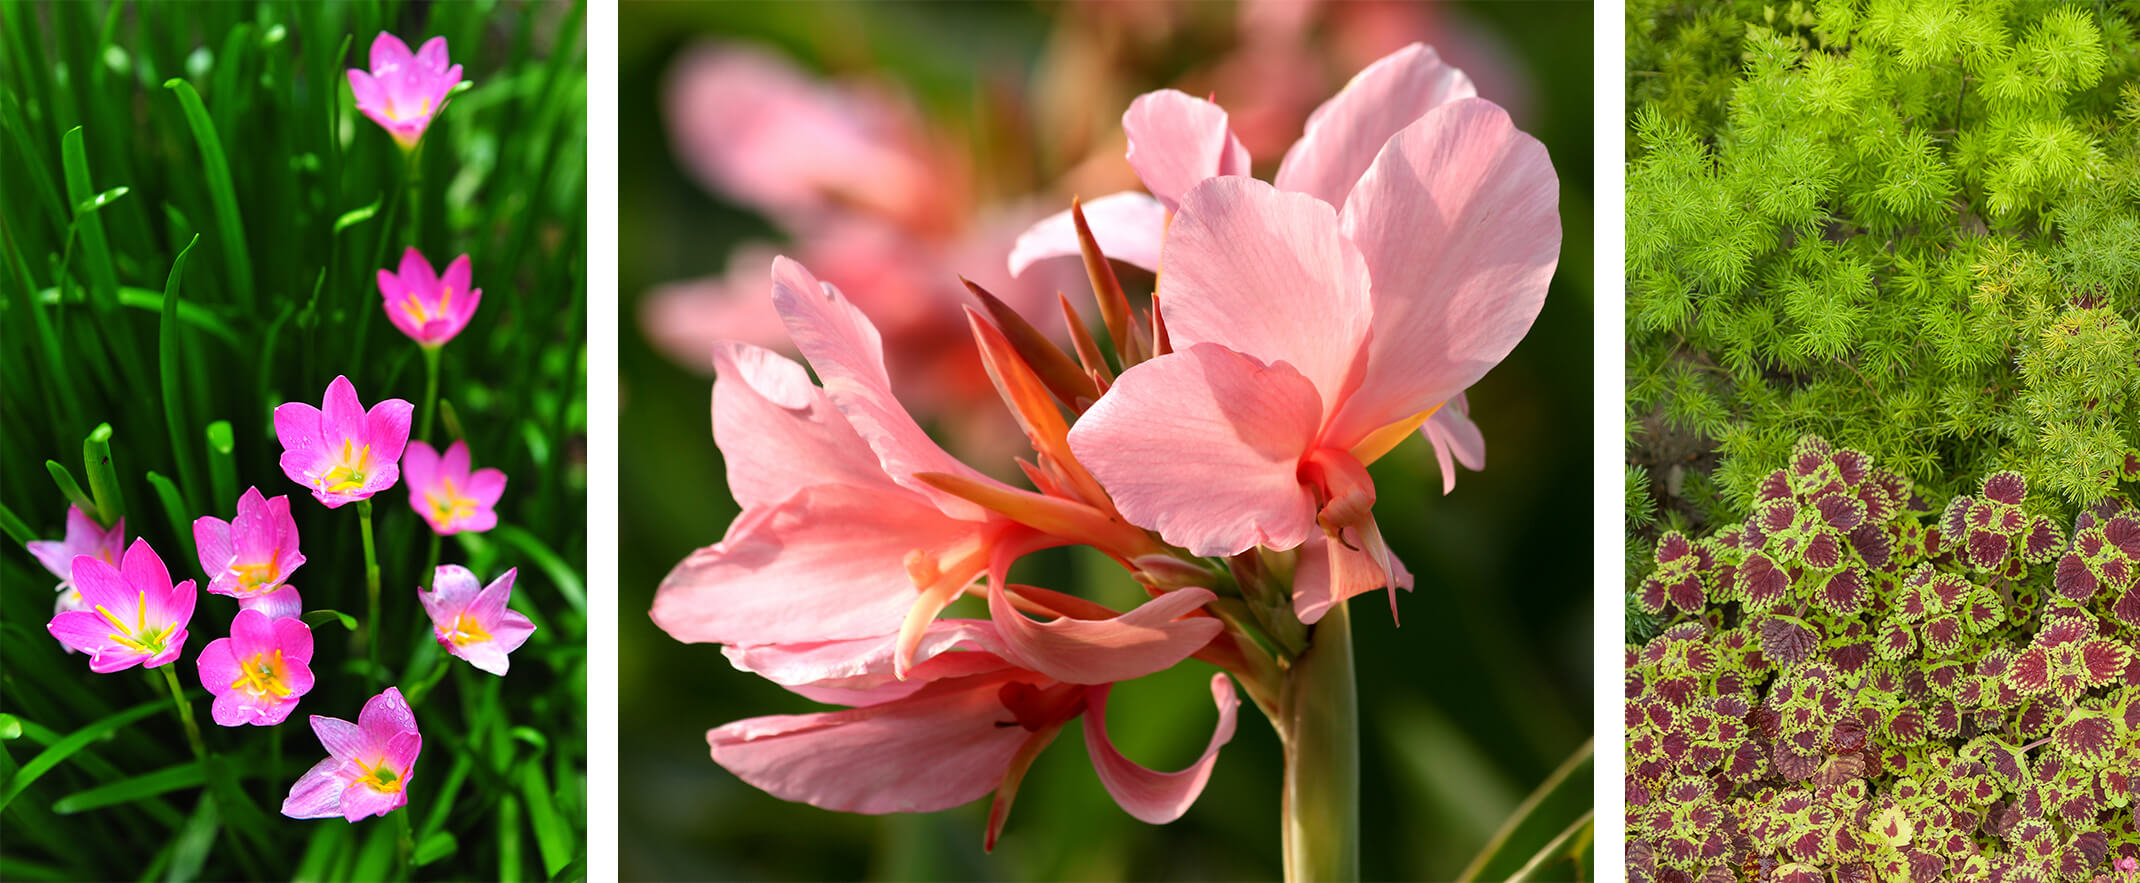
x,y
403,91
84,537
451,497
1127,226
430,309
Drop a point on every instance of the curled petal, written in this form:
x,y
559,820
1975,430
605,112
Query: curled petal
x,y
1151,638
1176,141
1151,796
1455,437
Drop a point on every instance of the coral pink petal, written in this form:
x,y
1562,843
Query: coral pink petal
x,y
1328,573
829,563
1204,446
1151,638
1343,136
1459,221
1151,796
1267,274
1128,227
1455,437
936,749
777,431
848,354
1176,141
317,794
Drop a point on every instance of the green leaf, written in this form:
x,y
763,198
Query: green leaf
x,y
103,478
359,215
167,356
99,201
435,847
73,742
222,467
72,491
175,508
143,299
168,779
553,567
10,728
316,617
1543,817
230,228
17,532
189,852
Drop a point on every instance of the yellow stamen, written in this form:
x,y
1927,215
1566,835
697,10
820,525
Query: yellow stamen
x,y
349,474
262,677
253,576
466,630
379,777
138,639
448,505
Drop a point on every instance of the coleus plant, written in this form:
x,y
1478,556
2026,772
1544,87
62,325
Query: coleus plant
x,y
1847,688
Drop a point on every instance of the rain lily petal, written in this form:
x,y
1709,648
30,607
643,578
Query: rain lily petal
x,y
84,537
368,766
404,91
260,671
252,555
451,498
430,309
1204,446
340,452
1151,796
132,613
283,603
471,620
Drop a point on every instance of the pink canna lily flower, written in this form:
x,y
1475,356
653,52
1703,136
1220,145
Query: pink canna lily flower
x,y
403,91
368,763
841,536
471,620
1309,341
446,494
1177,141
966,721
260,671
429,307
134,615
251,556
340,451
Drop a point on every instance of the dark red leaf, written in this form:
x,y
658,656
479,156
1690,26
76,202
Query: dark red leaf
x,y
2006,487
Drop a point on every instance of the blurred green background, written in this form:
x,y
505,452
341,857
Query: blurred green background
x,y
1480,694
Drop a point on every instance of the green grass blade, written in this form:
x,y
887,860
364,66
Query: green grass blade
x,y
103,478
1540,818
222,468
317,617
75,741
435,847
553,838
143,299
167,352
190,851
230,228
163,781
553,567
67,487
19,534
174,507
74,160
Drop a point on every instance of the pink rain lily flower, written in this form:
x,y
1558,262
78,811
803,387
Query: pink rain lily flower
x,y
428,307
84,537
403,91
446,494
260,671
135,615
840,538
471,620
250,557
1310,340
368,763
340,451
965,721
1177,141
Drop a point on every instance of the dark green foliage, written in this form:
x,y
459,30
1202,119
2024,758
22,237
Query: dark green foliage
x,y
1909,224
1962,710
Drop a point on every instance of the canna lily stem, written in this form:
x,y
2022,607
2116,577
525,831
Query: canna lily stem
x,y
371,583
185,713
1319,724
